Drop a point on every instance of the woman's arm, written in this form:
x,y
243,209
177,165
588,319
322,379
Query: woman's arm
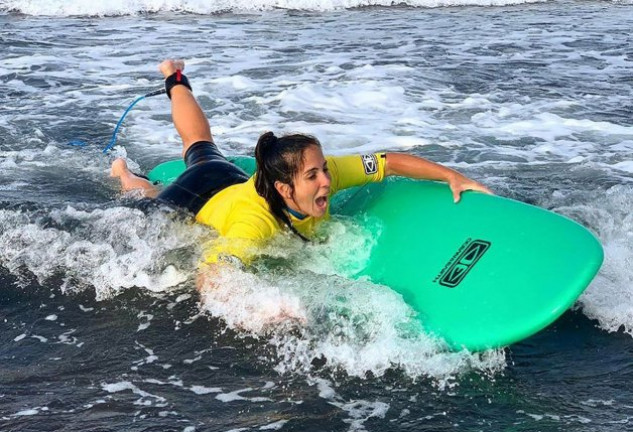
x,y
406,165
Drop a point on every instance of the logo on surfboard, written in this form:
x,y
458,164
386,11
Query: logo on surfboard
x,y
462,262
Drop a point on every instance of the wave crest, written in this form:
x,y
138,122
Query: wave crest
x,y
205,7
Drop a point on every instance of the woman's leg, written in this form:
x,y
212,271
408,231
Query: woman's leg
x,y
130,181
190,122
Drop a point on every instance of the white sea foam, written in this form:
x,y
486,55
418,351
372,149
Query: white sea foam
x,y
274,425
110,250
244,303
126,7
146,399
66,338
359,411
30,412
608,299
235,396
144,325
202,390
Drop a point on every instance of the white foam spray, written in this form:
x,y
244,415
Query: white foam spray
x,y
608,299
131,7
111,250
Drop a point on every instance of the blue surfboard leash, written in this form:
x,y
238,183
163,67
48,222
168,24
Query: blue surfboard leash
x,y
80,143
129,108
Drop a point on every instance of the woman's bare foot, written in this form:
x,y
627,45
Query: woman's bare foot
x,y
169,67
130,181
119,168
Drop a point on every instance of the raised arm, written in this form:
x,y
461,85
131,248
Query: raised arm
x,y
406,165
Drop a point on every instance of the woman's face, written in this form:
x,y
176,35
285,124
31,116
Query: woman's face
x,y
311,185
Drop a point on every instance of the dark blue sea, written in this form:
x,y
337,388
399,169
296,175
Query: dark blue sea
x,y
101,327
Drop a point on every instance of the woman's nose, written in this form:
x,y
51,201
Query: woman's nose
x,y
325,180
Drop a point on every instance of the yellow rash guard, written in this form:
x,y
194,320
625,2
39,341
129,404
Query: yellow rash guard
x,y
243,218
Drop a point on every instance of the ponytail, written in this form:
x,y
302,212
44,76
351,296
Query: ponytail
x,y
279,159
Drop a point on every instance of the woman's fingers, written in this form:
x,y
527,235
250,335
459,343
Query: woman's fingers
x,y
460,187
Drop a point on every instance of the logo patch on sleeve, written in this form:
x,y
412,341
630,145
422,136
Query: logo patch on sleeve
x,y
370,164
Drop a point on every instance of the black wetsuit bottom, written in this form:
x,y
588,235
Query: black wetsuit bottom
x,y
208,172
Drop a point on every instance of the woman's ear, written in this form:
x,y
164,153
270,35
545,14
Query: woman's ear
x,y
284,189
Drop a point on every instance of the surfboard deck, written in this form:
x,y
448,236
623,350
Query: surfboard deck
x,y
484,273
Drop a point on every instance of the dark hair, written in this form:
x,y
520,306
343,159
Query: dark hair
x,y
280,159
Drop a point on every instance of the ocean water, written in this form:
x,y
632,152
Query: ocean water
x,y
101,327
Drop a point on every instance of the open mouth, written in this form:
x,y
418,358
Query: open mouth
x,y
321,202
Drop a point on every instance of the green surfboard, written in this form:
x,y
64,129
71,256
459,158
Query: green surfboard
x,y
483,273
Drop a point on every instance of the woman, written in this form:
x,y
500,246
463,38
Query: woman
x,y
290,189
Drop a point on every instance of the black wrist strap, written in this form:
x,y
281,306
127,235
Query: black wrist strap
x,y
177,78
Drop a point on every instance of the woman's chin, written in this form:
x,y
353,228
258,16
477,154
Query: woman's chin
x,y
317,213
